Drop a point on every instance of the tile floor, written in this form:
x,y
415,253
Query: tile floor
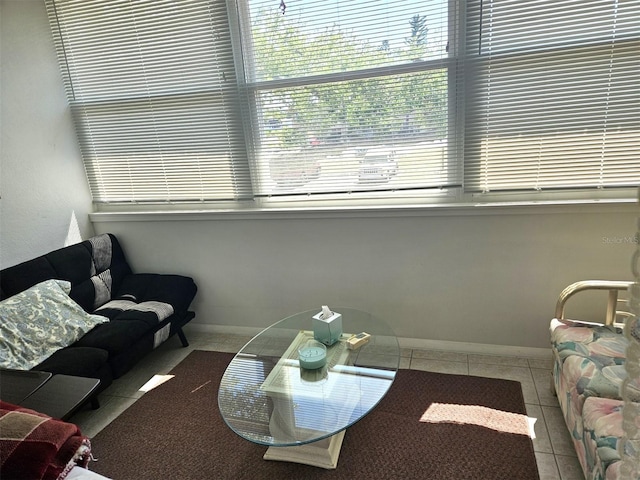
x,y
554,450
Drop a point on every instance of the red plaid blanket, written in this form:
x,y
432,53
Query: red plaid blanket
x,y
35,446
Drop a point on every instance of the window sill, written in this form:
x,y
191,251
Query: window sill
x,y
297,212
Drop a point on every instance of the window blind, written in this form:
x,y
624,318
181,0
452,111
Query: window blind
x,y
552,96
206,100
349,96
153,93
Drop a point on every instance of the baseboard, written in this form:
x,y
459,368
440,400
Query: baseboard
x,y
424,344
476,348
223,329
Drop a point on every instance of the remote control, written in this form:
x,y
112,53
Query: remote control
x,y
358,340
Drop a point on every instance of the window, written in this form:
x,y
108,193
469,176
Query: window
x,y
553,100
201,101
153,94
349,96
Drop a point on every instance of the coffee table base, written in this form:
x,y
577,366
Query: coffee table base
x,y
323,453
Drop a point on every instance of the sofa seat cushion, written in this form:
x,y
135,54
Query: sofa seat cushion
x,y
592,359
149,288
602,420
604,344
77,361
145,303
592,379
580,378
121,332
566,378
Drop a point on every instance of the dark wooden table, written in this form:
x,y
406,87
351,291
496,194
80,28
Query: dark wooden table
x,y
58,396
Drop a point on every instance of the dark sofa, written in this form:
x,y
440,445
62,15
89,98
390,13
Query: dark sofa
x,y
144,309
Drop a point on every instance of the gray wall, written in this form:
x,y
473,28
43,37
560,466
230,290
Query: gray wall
x,y
45,198
488,278
479,276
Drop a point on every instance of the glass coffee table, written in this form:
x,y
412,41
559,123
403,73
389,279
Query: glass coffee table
x,y
301,414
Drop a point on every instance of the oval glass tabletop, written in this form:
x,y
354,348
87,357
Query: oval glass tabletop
x,y
266,397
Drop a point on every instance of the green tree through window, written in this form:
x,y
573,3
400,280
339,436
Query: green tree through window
x,y
386,106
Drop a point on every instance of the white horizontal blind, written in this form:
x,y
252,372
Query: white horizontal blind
x,y
154,96
553,99
349,96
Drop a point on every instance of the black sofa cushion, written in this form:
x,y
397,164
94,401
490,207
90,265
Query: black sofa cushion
x,y
79,361
145,302
176,290
95,268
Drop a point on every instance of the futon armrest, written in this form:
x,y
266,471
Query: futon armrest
x,y
612,286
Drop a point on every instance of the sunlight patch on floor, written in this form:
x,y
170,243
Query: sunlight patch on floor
x,y
482,416
155,381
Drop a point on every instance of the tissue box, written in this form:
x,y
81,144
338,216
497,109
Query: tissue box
x,y
327,330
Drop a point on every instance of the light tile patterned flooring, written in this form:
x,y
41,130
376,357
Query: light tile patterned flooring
x,y
554,451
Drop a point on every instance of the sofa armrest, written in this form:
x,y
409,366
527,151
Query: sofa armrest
x,y
612,286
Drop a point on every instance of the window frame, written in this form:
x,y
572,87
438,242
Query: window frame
x,y
251,88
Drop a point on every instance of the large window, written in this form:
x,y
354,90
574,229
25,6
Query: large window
x,y
202,101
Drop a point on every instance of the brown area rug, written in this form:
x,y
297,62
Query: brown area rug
x,y
176,431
